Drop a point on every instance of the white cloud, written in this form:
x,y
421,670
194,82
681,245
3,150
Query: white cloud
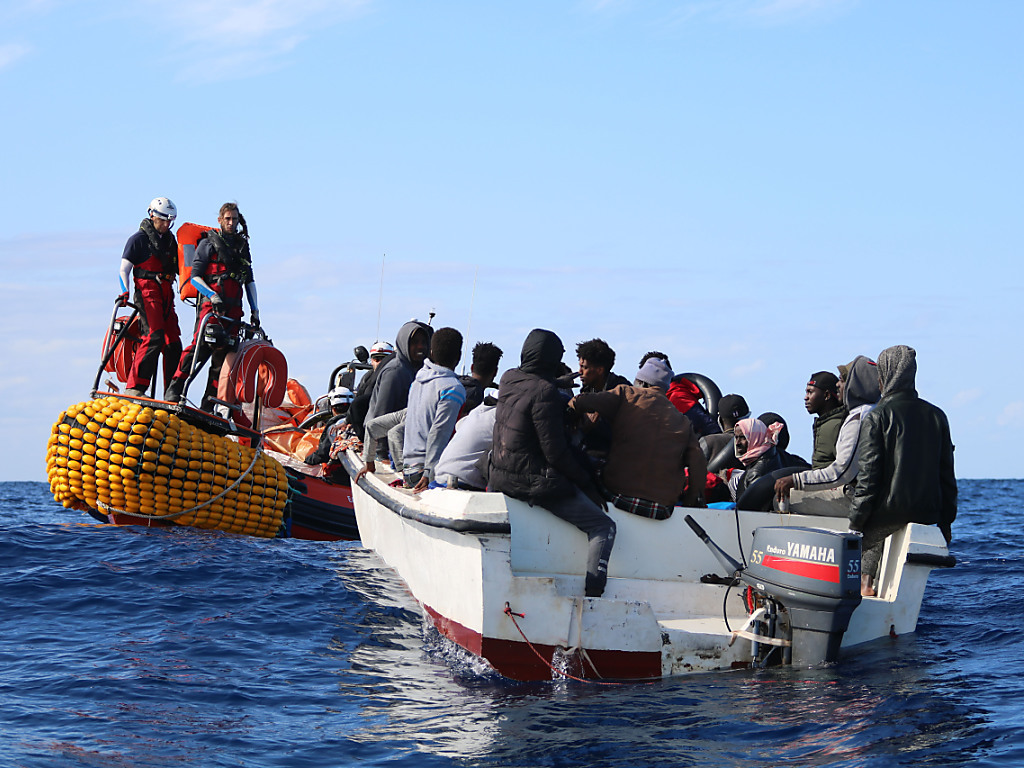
x,y
11,52
965,397
228,39
1012,415
753,366
765,11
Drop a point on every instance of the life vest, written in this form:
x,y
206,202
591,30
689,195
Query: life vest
x,y
161,262
189,235
230,259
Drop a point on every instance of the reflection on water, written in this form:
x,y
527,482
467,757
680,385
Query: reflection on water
x,y
152,647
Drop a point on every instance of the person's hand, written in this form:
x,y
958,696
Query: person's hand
x,y
217,302
421,485
254,318
783,486
122,299
370,467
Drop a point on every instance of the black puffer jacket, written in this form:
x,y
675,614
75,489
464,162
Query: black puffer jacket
x,y
531,458
906,465
766,463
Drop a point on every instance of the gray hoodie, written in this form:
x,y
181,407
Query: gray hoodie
x,y
435,399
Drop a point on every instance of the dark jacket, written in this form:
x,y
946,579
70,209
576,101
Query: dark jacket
x,y
391,389
906,465
323,448
531,458
766,463
826,432
474,393
361,401
652,443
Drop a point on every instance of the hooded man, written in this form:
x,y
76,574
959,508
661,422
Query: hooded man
x,y
435,401
531,459
391,389
859,392
906,463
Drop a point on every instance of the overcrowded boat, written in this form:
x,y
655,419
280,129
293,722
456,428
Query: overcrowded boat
x,y
706,589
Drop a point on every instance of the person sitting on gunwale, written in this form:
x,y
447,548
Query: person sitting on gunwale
x,y
391,388
435,400
859,391
652,447
531,459
906,470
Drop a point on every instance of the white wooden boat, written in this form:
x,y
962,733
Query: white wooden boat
x,y
505,581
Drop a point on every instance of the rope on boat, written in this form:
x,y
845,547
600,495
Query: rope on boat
x,y
512,615
173,515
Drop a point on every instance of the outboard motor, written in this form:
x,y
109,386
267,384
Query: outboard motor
x,y
814,573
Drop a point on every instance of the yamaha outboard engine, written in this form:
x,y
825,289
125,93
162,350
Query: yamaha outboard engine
x,y
814,573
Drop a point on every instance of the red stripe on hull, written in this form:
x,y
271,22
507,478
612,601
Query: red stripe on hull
x,y
310,534
816,571
517,661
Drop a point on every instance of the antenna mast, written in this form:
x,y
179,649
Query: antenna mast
x,y
380,295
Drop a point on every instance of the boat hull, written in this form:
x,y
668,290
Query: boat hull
x,y
505,581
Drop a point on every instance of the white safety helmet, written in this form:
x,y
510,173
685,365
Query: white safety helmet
x,y
163,208
340,396
381,349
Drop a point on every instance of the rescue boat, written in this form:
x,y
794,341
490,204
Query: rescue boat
x,y
143,461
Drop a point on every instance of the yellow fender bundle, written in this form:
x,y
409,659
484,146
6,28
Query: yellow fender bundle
x,y
122,458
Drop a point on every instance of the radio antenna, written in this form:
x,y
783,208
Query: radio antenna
x,y
380,295
469,325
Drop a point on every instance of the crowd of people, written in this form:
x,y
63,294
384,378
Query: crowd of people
x,y
882,456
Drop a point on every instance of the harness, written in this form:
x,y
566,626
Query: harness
x,y
230,259
164,249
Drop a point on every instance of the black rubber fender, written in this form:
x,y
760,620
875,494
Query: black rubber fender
x,y
725,457
759,494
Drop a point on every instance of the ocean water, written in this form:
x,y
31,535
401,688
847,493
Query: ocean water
x,y
170,647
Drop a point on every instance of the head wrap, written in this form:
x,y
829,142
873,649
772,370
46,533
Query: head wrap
x,y
760,439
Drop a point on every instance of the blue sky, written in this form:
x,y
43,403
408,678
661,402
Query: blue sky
x,y
760,188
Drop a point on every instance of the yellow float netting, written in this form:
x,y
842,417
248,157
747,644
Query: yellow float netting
x,y
117,456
